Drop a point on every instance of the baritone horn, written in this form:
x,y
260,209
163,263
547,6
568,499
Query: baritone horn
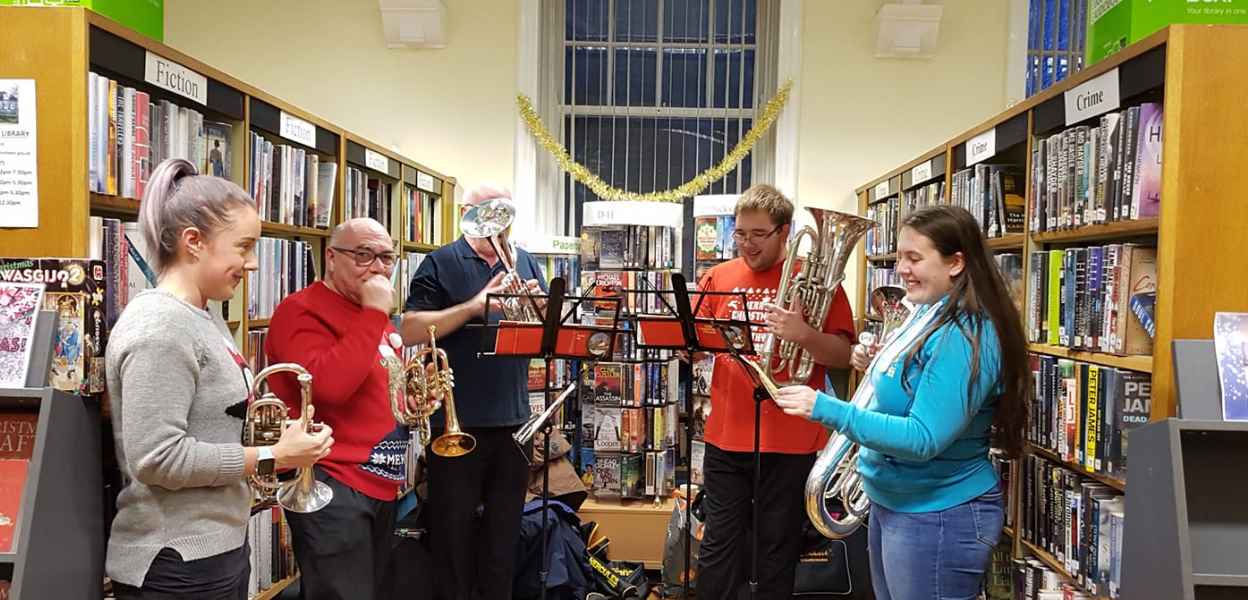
x,y
835,474
814,284
487,220
266,419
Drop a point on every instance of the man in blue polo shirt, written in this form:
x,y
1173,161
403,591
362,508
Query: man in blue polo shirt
x,y
491,401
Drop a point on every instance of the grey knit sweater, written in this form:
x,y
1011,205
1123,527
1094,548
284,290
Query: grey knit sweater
x,y
172,372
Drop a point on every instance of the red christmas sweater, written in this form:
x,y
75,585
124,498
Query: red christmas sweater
x,y
341,343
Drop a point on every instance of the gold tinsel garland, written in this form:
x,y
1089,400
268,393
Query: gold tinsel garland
x,y
686,190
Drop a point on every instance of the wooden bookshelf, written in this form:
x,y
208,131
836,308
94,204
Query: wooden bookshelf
x,y
276,589
59,46
1115,483
1201,222
1105,231
257,323
1138,362
417,247
1053,563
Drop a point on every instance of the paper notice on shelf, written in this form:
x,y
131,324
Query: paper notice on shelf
x,y
19,181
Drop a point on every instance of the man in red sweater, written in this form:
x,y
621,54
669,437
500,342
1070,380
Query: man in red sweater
x,y
339,329
787,444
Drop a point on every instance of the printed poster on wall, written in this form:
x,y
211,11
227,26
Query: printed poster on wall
x,y
19,182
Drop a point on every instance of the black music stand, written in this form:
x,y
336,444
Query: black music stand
x,y
549,339
690,333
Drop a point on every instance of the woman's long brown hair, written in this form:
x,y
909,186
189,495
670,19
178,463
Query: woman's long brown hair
x,y
979,292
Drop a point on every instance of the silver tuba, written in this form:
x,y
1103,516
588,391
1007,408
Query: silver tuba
x,y
487,220
822,270
835,474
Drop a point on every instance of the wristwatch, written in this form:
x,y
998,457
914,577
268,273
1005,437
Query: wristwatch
x,y
265,463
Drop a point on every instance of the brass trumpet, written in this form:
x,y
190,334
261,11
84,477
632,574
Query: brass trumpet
x,y
266,419
411,386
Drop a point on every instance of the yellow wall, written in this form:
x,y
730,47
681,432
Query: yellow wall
x,y
862,116
451,109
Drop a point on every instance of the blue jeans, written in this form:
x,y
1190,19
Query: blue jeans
x,y
940,555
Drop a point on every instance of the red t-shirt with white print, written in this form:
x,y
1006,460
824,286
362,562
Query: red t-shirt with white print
x,y
730,425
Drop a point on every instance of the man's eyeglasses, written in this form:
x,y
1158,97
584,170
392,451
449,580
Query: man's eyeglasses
x,y
365,257
753,237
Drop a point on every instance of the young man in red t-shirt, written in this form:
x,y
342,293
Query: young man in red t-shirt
x,y
788,445
339,329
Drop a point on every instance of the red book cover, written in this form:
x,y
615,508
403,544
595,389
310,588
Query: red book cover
x,y
17,444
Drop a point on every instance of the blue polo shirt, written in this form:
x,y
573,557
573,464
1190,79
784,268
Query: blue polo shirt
x,y
489,391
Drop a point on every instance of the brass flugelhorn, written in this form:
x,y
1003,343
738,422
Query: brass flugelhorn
x,y
426,389
266,419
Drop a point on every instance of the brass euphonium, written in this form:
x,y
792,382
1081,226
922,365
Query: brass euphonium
x,y
266,419
487,220
835,474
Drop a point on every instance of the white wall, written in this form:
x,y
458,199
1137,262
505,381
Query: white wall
x,y
450,109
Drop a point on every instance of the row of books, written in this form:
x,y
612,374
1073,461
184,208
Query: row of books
x,y
925,195
1032,579
121,246
285,267
631,384
628,429
628,247
408,265
424,216
367,196
1082,412
1108,171
638,291
883,238
129,134
291,185
559,265
562,374
1096,298
712,237
612,475
994,195
256,357
272,555
1076,520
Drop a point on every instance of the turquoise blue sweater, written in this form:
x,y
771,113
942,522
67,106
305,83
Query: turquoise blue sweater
x,y
927,449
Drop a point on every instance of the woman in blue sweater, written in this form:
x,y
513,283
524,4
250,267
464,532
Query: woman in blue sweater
x,y
948,383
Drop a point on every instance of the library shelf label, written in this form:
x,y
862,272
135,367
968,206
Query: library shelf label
x,y
981,147
1092,98
376,161
424,181
173,77
881,190
297,130
922,172
632,213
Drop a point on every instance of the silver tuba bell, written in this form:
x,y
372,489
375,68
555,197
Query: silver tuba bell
x,y
487,220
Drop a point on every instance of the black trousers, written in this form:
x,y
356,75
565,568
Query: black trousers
x,y
225,576
344,549
724,558
474,557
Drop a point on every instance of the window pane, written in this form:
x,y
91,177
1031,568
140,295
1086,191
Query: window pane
x,y
731,66
686,20
586,20
585,71
636,20
735,21
635,76
684,77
